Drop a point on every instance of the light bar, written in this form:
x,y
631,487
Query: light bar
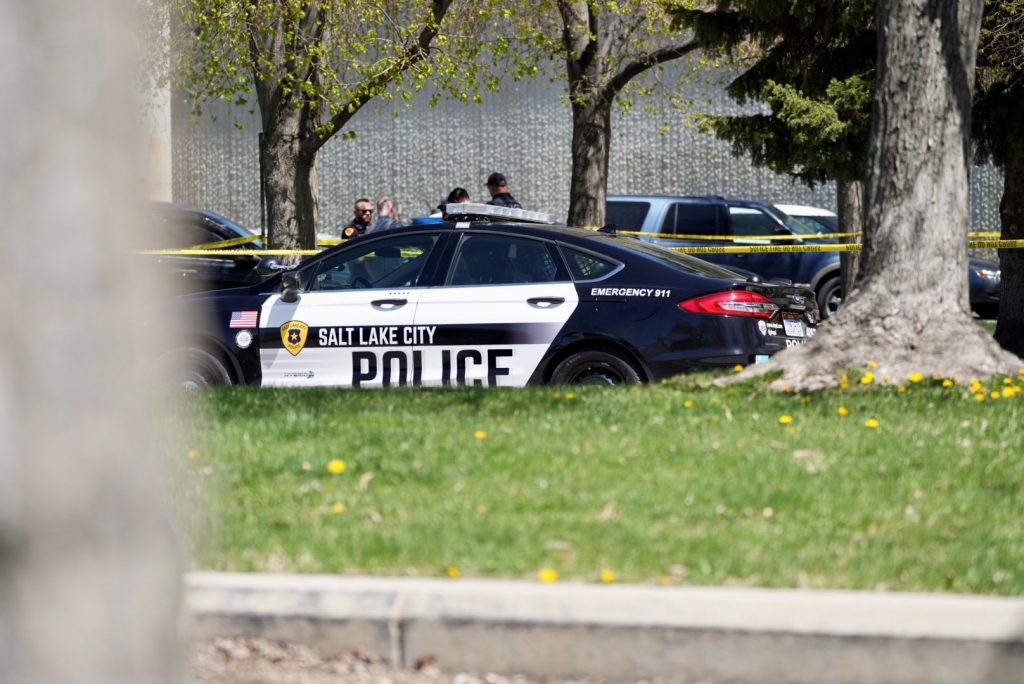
x,y
473,210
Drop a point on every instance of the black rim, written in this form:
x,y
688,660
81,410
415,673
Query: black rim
x,y
595,375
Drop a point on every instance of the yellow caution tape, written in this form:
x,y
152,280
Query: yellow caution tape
x,y
996,244
233,242
680,236
231,252
328,242
988,234
768,249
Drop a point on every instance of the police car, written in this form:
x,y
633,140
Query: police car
x,y
493,296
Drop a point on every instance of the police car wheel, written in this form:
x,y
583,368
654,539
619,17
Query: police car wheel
x,y
595,368
193,368
830,296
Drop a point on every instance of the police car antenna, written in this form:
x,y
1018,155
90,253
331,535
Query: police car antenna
x,y
471,211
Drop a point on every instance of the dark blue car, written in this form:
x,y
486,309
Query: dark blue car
x,y
717,221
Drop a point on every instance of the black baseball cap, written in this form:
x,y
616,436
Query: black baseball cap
x,y
496,179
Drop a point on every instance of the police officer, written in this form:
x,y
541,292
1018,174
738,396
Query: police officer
x,y
497,185
362,213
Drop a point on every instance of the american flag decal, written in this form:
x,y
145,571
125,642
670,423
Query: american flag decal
x,y
243,319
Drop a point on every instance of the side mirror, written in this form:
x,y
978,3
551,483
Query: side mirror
x,y
268,266
290,287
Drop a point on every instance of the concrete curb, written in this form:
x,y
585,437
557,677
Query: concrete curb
x,y
626,632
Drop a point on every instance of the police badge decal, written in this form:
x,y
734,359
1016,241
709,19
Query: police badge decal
x,y
293,335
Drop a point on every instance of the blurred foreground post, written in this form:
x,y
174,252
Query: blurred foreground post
x,y
89,574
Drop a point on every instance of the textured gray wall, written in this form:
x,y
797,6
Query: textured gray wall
x,y
422,153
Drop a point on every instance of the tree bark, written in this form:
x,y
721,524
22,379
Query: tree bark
x,y
591,146
1010,325
850,201
908,310
292,190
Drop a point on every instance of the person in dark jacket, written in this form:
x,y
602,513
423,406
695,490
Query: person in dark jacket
x,y
361,215
500,196
387,216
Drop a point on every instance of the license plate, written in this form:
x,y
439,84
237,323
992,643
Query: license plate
x,y
793,325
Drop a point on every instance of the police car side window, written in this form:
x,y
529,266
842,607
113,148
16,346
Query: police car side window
x,y
584,266
389,263
502,260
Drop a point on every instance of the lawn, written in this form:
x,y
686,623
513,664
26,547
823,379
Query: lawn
x,y
857,487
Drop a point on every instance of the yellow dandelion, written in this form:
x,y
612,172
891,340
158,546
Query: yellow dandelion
x,y
547,575
480,434
872,364
844,382
979,397
867,378
947,383
936,377
886,378
193,454
336,467
738,367
1007,381
687,404
607,576
843,411
1008,392
871,423
453,572
570,395
902,389
994,394
785,420
915,377
338,508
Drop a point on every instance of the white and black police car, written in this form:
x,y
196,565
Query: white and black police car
x,y
492,296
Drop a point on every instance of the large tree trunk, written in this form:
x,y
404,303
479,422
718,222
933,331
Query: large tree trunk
x,y
850,201
292,191
908,310
591,144
1010,326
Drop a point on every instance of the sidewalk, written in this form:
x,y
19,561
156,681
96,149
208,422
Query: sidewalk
x,y
623,632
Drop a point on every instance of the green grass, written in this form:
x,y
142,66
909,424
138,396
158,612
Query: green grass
x,y
628,479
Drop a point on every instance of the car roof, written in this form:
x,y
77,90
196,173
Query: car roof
x,y
688,198
803,210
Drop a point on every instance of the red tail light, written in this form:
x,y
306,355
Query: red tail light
x,y
733,303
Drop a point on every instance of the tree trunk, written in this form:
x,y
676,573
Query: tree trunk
x,y
850,201
292,191
591,145
908,310
1010,326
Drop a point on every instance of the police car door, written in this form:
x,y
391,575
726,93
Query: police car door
x,y
504,301
352,323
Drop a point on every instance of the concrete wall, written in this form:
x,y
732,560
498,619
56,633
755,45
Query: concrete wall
x,y
419,153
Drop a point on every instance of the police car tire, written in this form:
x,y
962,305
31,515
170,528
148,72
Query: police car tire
x,y
595,367
198,368
830,292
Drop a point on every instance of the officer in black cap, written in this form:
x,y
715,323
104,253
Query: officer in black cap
x,y
500,197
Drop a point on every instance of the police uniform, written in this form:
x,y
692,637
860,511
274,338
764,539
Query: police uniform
x,y
505,199
354,229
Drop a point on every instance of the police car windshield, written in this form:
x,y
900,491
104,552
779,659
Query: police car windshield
x,y
681,262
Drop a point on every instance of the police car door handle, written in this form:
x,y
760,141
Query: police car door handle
x,y
388,304
545,302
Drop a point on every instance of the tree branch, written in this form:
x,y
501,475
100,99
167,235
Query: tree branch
x,y
413,54
653,59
